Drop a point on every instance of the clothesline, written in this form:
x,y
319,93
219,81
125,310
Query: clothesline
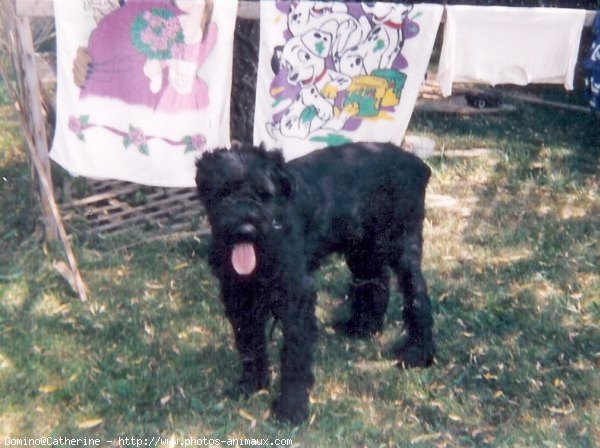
x,y
246,10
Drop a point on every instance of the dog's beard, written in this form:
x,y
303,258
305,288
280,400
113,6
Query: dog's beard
x,y
243,258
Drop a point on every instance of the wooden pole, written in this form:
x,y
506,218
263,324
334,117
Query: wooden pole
x,y
33,128
37,121
75,278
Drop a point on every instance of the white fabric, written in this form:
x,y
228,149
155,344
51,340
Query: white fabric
x,y
142,116
332,72
505,45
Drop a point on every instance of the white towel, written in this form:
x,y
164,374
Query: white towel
x,y
505,45
157,91
332,72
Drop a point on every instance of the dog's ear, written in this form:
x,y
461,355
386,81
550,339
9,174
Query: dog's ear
x,y
202,183
276,59
287,183
206,168
318,42
282,176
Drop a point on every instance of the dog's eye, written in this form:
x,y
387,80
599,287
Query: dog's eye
x,y
303,55
264,193
230,188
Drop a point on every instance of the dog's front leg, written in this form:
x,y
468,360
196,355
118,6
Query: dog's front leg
x,y
299,326
248,322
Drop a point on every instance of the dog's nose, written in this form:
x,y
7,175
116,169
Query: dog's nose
x,y
245,232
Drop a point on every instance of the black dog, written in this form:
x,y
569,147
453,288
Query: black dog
x,y
272,223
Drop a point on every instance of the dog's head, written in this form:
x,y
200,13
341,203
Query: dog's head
x,y
296,121
245,191
303,57
305,15
352,62
386,12
299,15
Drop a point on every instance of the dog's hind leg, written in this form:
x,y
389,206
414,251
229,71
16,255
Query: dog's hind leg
x,y
368,293
418,350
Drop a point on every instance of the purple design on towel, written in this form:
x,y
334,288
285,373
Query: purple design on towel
x,y
140,56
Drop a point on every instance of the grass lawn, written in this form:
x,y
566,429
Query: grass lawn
x,y
512,263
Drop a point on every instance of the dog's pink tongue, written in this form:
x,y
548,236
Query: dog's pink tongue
x,y
243,258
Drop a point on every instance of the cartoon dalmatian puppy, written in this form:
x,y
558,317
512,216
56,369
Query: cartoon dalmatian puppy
x,y
305,16
301,118
386,39
352,61
332,18
303,57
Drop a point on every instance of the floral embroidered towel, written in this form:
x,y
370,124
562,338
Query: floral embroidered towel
x,y
507,45
143,87
333,72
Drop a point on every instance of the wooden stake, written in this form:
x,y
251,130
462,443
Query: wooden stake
x,y
76,280
37,122
35,134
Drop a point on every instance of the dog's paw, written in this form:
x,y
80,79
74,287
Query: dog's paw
x,y
357,328
414,354
249,385
290,411
330,91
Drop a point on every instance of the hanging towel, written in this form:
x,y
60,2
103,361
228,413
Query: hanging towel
x,y
497,45
332,72
591,67
155,92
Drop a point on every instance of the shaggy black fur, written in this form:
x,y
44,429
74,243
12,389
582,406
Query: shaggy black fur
x,y
272,223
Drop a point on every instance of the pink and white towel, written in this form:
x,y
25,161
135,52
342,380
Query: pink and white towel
x,y
332,72
157,90
506,45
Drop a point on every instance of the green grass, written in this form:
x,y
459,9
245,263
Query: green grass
x,y
512,270
3,94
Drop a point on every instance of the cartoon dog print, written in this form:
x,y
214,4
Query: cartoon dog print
x,y
302,118
386,39
333,18
303,57
305,16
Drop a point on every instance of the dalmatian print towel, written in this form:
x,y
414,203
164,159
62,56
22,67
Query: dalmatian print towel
x,y
332,72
